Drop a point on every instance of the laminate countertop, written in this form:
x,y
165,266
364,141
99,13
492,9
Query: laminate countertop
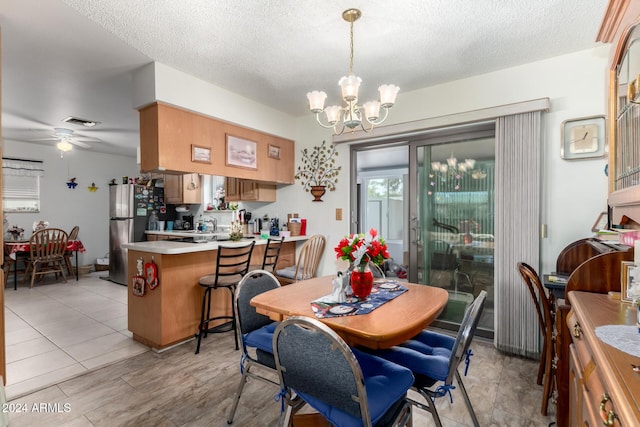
x,y
168,247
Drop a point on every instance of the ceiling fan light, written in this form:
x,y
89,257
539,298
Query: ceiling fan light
x,y
64,146
388,95
350,86
316,100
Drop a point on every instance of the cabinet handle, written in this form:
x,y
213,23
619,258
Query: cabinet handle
x,y
608,417
577,330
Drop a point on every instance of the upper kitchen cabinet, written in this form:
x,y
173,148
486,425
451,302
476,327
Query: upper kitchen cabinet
x,y
621,27
181,141
182,189
237,190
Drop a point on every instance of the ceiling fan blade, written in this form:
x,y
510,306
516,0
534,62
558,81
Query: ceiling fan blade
x,y
79,144
53,138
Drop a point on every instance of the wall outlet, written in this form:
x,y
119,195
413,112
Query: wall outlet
x,y
338,214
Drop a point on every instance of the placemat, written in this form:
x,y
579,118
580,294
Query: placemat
x,y
380,294
623,337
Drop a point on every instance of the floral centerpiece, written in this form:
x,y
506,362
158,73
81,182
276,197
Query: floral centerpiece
x,y
15,232
359,249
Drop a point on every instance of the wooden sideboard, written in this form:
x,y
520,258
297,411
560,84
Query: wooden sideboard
x,y
603,387
592,266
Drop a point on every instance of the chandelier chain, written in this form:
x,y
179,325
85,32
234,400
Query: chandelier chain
x,y
351,47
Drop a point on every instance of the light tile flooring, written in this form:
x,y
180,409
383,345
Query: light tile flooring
x,y
179,388
55,331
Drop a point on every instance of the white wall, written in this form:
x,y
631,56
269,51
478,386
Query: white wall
x,y
574,192
64,208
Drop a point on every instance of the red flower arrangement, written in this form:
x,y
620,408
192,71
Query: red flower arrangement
x,y
359,249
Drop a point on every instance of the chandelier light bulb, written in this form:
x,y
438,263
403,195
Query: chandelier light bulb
x,y
316,101
350,86
388,95
333,114
371,110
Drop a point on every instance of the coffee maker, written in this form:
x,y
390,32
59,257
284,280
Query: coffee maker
x,y
187,222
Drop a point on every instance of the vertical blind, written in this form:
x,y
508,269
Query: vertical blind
x,y
518,158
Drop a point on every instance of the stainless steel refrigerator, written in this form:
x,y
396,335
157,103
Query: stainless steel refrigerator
x,y
129,207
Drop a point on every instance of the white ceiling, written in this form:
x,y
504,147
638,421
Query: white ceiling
x,y
65,58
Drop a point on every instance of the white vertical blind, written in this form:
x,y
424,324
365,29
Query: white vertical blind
x,y
518,157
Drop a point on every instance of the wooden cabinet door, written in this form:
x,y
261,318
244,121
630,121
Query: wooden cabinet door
x,y
231,190
173,189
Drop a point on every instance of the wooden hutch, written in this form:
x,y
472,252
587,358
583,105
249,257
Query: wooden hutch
x,y
594,380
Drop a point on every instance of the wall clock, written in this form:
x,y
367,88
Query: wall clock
x,y
583,138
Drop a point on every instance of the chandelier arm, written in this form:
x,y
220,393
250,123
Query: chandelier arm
x,y
380,120
335,128
329,126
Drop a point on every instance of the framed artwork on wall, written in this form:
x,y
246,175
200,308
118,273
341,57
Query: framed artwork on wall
x,y
241,152
274,152
200,154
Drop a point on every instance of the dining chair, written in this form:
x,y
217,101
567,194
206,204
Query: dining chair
x,y
271,255
543,305
73,235
256,333
232,264
434,359
346,386
306,266
46,253
18,262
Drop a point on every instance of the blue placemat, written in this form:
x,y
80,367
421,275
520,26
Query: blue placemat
x,y
381,293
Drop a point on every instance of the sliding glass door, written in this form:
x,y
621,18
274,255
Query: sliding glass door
x,y
453,224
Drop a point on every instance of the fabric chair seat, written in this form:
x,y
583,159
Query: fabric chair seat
x,y
261,338
210,280
290,272
428,354
386,383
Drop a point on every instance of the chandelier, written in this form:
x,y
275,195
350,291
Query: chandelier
x,y
452,171
351,115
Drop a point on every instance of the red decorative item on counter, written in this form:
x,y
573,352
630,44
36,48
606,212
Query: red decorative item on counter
x,y
362,282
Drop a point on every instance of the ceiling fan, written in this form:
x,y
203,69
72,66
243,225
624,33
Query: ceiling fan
x,y
66,139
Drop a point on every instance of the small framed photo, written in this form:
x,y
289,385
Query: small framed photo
x,y
241,152
200,154
274,152
630,282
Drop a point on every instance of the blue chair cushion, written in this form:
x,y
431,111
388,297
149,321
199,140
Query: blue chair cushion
x,y
289,272
385,383
261,338
427,354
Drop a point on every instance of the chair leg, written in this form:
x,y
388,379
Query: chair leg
x,y
202,319
429,405
467,401
541,368
236,400
234,327
546,393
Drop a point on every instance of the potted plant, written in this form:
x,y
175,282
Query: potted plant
x,y
318,171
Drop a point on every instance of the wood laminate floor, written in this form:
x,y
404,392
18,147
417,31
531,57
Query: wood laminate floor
x,y
180,388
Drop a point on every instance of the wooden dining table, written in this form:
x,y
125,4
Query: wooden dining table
x,y
390,324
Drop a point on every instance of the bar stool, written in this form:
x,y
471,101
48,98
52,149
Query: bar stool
x,y
231,266
271,255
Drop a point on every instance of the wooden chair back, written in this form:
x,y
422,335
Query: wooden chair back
x,y
48,245
308,260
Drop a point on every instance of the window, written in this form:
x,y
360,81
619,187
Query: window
x,y
21,184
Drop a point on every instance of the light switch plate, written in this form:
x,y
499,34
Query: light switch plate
x,y
338,214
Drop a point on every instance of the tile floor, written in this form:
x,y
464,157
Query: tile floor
x,y
55,331
179,388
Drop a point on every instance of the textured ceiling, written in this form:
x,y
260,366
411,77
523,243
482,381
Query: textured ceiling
x,y
56,53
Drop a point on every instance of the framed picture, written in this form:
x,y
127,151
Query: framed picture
x,y
200,154
583,138
274,152
601,222
241,152
629,281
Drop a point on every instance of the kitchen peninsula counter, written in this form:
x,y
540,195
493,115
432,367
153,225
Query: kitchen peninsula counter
x,y
170,313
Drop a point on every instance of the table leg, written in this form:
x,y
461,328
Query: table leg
x,y
77,269
15,274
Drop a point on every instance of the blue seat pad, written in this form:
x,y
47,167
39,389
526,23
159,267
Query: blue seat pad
x,y
261,338
428,354
385,383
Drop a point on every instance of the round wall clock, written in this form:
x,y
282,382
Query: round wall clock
x,y
583,138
